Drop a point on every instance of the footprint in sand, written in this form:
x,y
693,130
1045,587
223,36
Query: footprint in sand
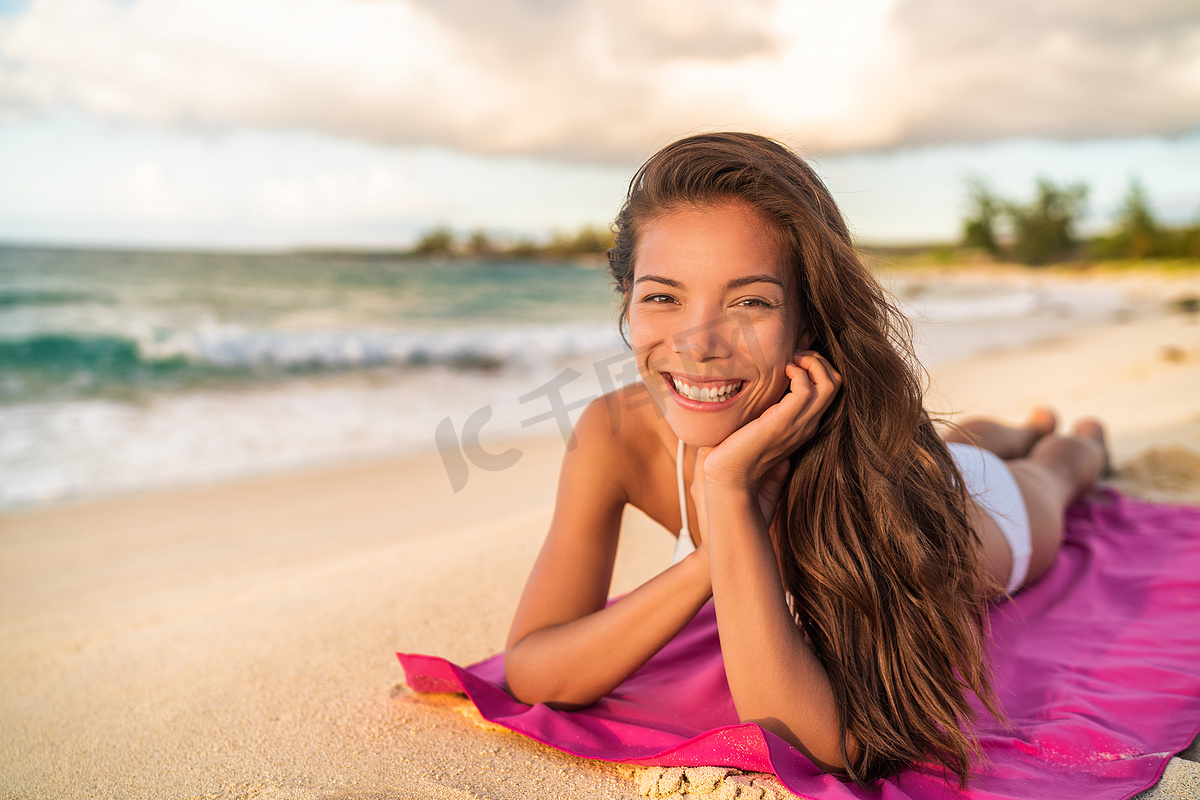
x,y
1163,473
712,783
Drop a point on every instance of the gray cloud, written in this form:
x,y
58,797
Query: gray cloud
x,y
609,80
1069,69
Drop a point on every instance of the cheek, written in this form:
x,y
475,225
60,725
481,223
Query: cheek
x,y
772,347
646,331
638,340
776,386
773,355
634,329
642,340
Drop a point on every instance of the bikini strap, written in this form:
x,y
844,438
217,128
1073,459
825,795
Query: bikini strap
x,y
684,546
683,509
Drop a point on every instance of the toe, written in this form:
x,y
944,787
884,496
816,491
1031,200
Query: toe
x,y
1043,420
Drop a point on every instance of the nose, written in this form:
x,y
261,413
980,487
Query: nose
x,y
705,337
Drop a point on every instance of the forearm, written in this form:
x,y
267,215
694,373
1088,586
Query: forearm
x,y
775,678
576,663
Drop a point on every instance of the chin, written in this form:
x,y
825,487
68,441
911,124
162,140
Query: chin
x,y
701,436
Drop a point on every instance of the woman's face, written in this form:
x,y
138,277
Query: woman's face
x,y
713,319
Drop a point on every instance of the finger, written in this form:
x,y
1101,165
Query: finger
x,y
798,378
801,394
820,371
804,357
834,375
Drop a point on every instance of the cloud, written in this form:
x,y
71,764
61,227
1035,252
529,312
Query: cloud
x,y
1069,69
610,80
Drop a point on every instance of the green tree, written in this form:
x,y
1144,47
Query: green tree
x,y
591,240
979,229
480,244
1189,241
437,241
559,246
1138,233
1044,230
523,247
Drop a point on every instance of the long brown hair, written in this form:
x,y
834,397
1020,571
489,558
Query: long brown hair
x,y
872,531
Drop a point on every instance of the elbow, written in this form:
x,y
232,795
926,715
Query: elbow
x,y
824,751
528,684
517,680
833,759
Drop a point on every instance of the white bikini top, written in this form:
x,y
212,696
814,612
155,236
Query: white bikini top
x,y
684,544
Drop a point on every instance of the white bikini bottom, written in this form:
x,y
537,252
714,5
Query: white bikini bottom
x,y
989,481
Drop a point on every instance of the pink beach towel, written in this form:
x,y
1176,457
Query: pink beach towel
x,y
1097,668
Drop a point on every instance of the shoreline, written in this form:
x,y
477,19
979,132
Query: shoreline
x,y
1153,293
236,638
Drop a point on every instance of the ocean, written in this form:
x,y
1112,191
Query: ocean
x,y
127,371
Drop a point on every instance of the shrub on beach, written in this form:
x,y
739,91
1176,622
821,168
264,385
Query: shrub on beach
x,y
436,242
1043,230
979,229
1039,232
1138,234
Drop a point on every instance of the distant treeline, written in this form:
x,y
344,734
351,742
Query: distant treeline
x,y
442,241
1044,230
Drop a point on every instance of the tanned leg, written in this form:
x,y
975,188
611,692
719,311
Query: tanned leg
x,y
1057,471
1006,441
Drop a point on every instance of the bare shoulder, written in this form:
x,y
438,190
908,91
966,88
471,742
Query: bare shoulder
x,y
621,443
597,444
615,434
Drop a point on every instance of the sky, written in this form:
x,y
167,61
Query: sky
x,y
267,124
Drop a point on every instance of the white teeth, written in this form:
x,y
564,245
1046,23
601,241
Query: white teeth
x,y
705,394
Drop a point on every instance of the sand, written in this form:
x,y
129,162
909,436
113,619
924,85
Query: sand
x,y
236,639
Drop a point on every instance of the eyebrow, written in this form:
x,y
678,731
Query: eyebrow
x,y
736,283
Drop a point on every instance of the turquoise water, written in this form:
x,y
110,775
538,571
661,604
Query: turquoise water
x,y
79,324
122,371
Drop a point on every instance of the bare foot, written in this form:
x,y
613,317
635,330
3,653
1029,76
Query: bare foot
x,y
1042,421
1091,428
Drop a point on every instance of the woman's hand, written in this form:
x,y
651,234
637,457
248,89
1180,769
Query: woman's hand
x,y
769,491
751,456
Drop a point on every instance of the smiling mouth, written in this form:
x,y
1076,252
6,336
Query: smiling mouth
x,y
706,393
